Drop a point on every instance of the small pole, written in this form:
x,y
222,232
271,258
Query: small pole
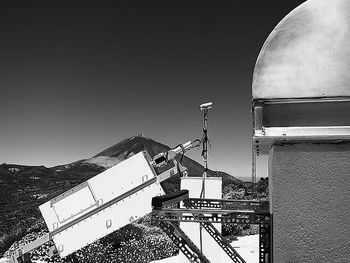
x,y
205,107
205,148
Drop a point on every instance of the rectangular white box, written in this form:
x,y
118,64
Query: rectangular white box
x,y
67,209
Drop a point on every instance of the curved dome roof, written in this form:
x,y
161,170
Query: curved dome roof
x,y
307,55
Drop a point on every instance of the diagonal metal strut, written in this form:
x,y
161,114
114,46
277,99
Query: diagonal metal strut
x,y
183,242
216,235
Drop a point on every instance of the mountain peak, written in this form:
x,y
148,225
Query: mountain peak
x,y
133,145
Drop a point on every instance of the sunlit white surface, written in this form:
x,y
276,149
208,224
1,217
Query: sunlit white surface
x,y
101,189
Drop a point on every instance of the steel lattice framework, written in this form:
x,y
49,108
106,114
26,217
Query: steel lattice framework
x,y
206,212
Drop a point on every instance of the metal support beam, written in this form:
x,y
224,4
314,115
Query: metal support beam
x,y
216,235
265,240
229,250
186,215
208,211
183,242
21,255
169,200
230,204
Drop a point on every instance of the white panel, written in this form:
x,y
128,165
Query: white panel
x,y
107,220
105,186
75,204
213,187
95,192
213,190
121,177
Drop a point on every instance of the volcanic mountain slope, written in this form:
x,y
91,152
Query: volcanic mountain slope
x,y
24,188
133,145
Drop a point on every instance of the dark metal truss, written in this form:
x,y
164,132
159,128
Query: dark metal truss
x,y
208,211
216,235
216,216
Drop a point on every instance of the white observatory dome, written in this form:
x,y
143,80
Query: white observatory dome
x,y
307,55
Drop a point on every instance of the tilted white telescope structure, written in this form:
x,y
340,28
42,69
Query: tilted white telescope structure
x,y
105,203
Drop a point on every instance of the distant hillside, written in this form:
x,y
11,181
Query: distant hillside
x,y
133,145
24,188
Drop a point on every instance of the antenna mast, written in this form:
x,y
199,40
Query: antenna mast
x,y
205,107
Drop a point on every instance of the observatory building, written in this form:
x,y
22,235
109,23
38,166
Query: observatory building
x,y
301,115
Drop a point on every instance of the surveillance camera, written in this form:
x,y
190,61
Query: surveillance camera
x,y
206,106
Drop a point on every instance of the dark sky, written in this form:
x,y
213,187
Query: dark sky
x,y
79,76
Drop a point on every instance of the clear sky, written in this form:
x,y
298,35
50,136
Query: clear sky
x,y
79,76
